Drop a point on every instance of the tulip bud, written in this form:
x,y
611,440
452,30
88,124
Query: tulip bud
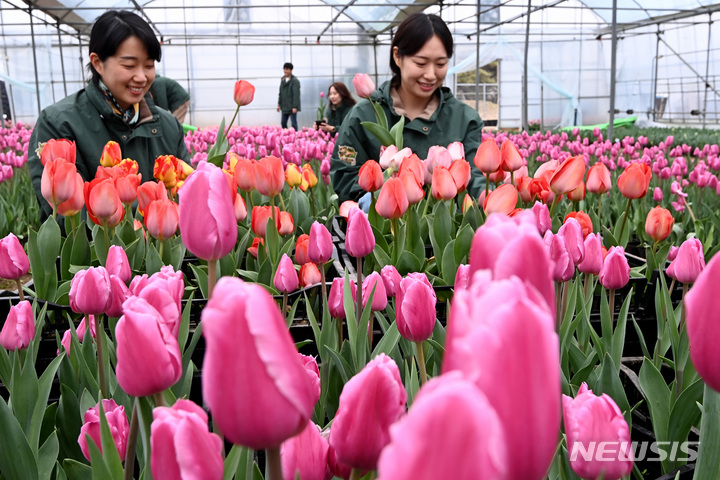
x,y
703,321
592,263
269,176
542,215
363,84
111,154
415,308
286,277
598,179
287,225
511,158
487,157
688,263
90,291
335,297
58,148
14,262
374,281
392,202
117,421
359,237
305,455
635,180
501,200
243,93
571,231
58,181
568,176
391,279
615,272
117,263
563,266
103,202
659,223
19,327
309,275
583,219
443,184
320,245
370,176
293,175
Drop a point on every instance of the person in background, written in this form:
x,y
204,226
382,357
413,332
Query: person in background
x,y
289,97
419,56
170,95
340,103
114,105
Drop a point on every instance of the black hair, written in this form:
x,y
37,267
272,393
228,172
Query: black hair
x,y
413,33
114,27
288,65
344,93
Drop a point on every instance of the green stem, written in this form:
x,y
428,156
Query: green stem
x,y
394,227
421,362
624,221
282,202
600,195
284,307
558,305
159,399
131,443
312,202
563,304
229,125
273,466
556,200
611,302
427,202
20,290
358,304
212,274
323,287
340,332
355,474
679,369
107,239
99,333
162,248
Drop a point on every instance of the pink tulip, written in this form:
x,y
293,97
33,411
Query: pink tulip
x,y
703,324
512,246
148,354
19,327
335,297
688,263
487,157
415,308
563,266
286,277
450,418
359,237
462,278
456,151
615,272
207,215
591,420
320,246
501,336
592,263
364,86
249,344
305,455
163,290
117,421
571,231
118,294
14,262
181,445
90,291
117,263
374,281
391,278
313,373
657,194
370,402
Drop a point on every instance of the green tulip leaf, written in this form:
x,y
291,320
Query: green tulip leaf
x,y
381,133
463,242
449,267
76,470
202,279
708,461
388,341
17,461
397,132
658,397
380,115
47,456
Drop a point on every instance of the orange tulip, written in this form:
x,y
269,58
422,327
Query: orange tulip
x,y
167,170
309,175
460,171
584,221
487,158
301,249
392,201
260,218
498,177
149,192
111,154
127,186
540,189
635,180
414,165
240,208
309,275
547,170
293,175
370,176
413,189
443,184
103,202
60,148
501,200
75,203
269,176
659,223
345,208
244,92
511,158
287,226
162,219
58,181
598,179
245,174
253,249
231,159
523,186
577,194
568,176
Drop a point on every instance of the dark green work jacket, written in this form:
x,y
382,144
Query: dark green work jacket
x,y
289,96
336,116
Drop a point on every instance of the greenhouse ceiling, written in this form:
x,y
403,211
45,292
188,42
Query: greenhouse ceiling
x,y
314,18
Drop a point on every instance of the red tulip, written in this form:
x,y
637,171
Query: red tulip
x,y
309,275
148,192
577,194
450,418
127,186
598,179
247,341
359,238
703,324
501,336
370,176
181,445
568,176
117,263
415,308
55,149
487,157
58,181
413,189
240,209
374,281
302,244
364,86
162,219
511,158
74,205
103,203
392,202
635,180
370,402
688,263
117,421
14,262
19,327
90,291
269,176
305,455
320,245
335,297
111,154
583,219
460,171
253,249
413,165
615,272
287,225
443,184
591,419
244,174
261,217
207,215
501,200
659,223
244,92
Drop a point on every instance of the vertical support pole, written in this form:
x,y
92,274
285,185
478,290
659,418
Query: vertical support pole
x,y
707,71
187,64
37,79
655,75
613,61
525,125
477,57
62,60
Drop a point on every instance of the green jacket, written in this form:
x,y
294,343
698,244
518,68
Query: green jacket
x,y
87,118
289,96
167,93
453,121
335,117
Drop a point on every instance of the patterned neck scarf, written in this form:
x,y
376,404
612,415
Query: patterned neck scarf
x,y
129,116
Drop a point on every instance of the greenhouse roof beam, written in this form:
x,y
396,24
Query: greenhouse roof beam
x,y
335,18
663,19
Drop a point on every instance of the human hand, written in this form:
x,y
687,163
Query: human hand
x,y
278,108
326,128
294,110
364,202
